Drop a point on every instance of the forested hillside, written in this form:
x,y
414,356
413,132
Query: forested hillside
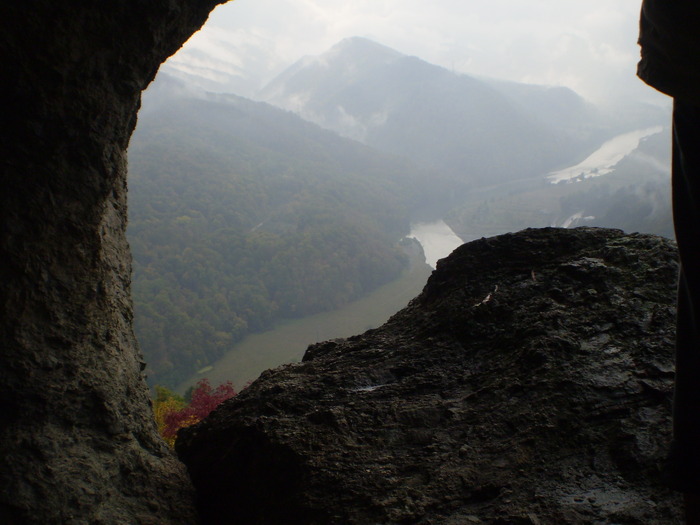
x,y
242,214
634,197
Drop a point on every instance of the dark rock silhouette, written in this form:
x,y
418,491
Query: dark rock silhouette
x,y
529,383
77,439
547,403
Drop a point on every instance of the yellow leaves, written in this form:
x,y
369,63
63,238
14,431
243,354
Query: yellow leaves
x,y
172,413
161,409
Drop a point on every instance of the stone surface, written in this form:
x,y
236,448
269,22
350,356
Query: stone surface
x,y
529,383
77,438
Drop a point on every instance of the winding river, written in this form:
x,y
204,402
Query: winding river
x,y
603,160
287,342
437,239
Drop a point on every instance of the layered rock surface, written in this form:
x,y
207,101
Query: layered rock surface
x,y
529,383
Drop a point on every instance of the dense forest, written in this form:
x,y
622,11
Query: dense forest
x,y
241,215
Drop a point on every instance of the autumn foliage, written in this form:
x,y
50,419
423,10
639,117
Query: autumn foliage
x,y
172,412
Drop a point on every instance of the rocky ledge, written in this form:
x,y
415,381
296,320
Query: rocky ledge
x,y
529,383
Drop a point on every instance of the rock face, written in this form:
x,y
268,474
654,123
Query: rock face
x,y
77,438
529,383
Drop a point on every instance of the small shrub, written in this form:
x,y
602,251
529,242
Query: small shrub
x,y
172,413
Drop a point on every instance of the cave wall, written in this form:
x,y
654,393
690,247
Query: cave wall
x,y
77,438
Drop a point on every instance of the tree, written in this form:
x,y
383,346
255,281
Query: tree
x,y
172,413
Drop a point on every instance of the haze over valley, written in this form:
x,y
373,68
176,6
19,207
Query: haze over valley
x,y
245,214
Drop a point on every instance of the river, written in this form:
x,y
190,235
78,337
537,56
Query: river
x,y
437,239
287,341
603,160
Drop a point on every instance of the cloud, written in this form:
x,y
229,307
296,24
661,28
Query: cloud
x,y
589,46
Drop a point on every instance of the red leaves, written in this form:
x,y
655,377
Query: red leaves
x,y
204,400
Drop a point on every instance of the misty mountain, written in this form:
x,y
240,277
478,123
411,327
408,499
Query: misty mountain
x,y
564,110
556,107
472,131
225,63
242,214
634,197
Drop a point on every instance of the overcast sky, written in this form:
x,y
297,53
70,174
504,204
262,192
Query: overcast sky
x,y
587,45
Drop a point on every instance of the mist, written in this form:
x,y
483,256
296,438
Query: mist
x,y
589,47
295,159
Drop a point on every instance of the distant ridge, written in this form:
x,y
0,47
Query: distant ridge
x,y
471,131
242,214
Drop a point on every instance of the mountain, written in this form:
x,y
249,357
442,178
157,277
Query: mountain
x,y
564,110
530,382
491,142
242,214
471,131
225,62
634,196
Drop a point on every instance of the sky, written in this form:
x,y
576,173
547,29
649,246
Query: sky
x,y
589,46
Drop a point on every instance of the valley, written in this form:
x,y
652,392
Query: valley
x,y
255,224
287,341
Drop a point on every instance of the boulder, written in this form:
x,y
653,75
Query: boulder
x,y
529,383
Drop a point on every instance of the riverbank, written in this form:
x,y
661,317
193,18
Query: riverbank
x,y
287,342
605,158
437,239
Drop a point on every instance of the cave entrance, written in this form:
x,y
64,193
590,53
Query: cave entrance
x,y
187,235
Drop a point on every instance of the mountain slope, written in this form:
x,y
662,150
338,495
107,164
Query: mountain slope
x,y
635,196
242,214
464,127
